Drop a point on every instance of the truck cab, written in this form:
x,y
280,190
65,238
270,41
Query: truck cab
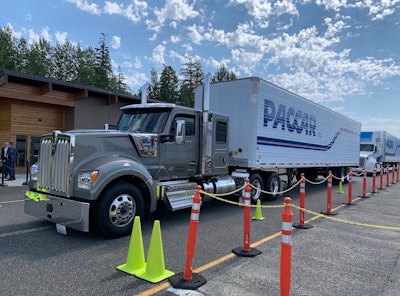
x,y
103,178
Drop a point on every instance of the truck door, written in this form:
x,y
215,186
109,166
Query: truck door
x,y
181,159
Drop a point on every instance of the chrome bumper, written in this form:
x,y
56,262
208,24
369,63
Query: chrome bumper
x,y
70,213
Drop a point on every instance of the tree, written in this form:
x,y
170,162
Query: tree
x,y
8,51
192,76
223,75
64,62
86,71
39,58
169,85
103,65
154,89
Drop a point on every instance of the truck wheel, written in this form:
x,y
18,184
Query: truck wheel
x,y
256,181
273,184
116,209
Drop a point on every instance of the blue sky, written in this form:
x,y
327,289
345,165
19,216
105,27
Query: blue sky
x,y
344,55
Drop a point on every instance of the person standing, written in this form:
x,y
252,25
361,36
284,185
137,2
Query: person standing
x,y
4,159
11,160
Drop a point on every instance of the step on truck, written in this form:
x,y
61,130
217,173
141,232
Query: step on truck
x,y
378,149
241,129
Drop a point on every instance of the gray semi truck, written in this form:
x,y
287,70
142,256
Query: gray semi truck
x,y
246,128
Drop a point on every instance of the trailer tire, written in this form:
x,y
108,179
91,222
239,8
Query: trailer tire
x,y
116,209
273,184
257,181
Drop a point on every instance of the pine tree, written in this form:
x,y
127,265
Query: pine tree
x,y
169,85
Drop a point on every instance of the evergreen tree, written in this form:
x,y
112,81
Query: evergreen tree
x,y
86,72
192,76
103,65
39,58
169,85
154,89
8,51
64,62
223,75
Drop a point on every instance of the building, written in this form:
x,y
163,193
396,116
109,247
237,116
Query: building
x,y
31,106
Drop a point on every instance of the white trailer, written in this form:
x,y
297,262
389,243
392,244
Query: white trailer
x,y
378,149
275,131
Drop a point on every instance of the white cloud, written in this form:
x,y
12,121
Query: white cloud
x,y
61,37
116,42
86,6
158,56
132,12
177,10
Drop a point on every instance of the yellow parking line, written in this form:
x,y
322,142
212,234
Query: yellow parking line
x,y
228,256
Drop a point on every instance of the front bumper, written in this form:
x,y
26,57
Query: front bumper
x,y
70,213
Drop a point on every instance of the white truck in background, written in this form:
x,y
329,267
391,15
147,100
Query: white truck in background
x,y
378,149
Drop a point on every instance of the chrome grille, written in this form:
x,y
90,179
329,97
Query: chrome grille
x,y
362,162
54,164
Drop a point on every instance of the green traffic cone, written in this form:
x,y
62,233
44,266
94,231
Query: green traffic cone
x,y
258,214
135,260
155,267
340,189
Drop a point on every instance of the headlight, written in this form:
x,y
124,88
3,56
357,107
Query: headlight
x,y
34,171
86,179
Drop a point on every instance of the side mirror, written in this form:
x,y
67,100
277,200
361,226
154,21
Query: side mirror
x,y
180,132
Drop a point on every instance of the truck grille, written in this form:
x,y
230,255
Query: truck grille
x,y
362,162
54,164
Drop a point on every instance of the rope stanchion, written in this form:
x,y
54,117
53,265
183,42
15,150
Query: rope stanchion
x,y
364,190
374,181
381,179
3,174
246,251
350,190
329,197
393,174
189,280
286,248
397,173
387,177
302,225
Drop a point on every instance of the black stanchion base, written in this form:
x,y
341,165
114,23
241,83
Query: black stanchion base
x,y
364,196
302,226
329,214
25,183
3,185
242,253
177,281
351,204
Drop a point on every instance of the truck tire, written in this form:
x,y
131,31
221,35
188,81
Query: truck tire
x,y
272,184
117,207
257,181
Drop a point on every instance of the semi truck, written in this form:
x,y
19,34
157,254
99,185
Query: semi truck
x,y
378,149
240,129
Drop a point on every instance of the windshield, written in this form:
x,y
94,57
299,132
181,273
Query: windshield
x,y
144,120
367,147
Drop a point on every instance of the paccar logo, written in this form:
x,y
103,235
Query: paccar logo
x,y
289,118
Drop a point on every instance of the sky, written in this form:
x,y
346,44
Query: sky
x,y
344,55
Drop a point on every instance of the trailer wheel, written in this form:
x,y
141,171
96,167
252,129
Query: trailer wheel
x,y
257,181
116,209
273,184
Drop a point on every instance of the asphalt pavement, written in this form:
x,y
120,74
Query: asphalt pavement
x,y
354,252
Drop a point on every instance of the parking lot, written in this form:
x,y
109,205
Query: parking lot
x,y
36,260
